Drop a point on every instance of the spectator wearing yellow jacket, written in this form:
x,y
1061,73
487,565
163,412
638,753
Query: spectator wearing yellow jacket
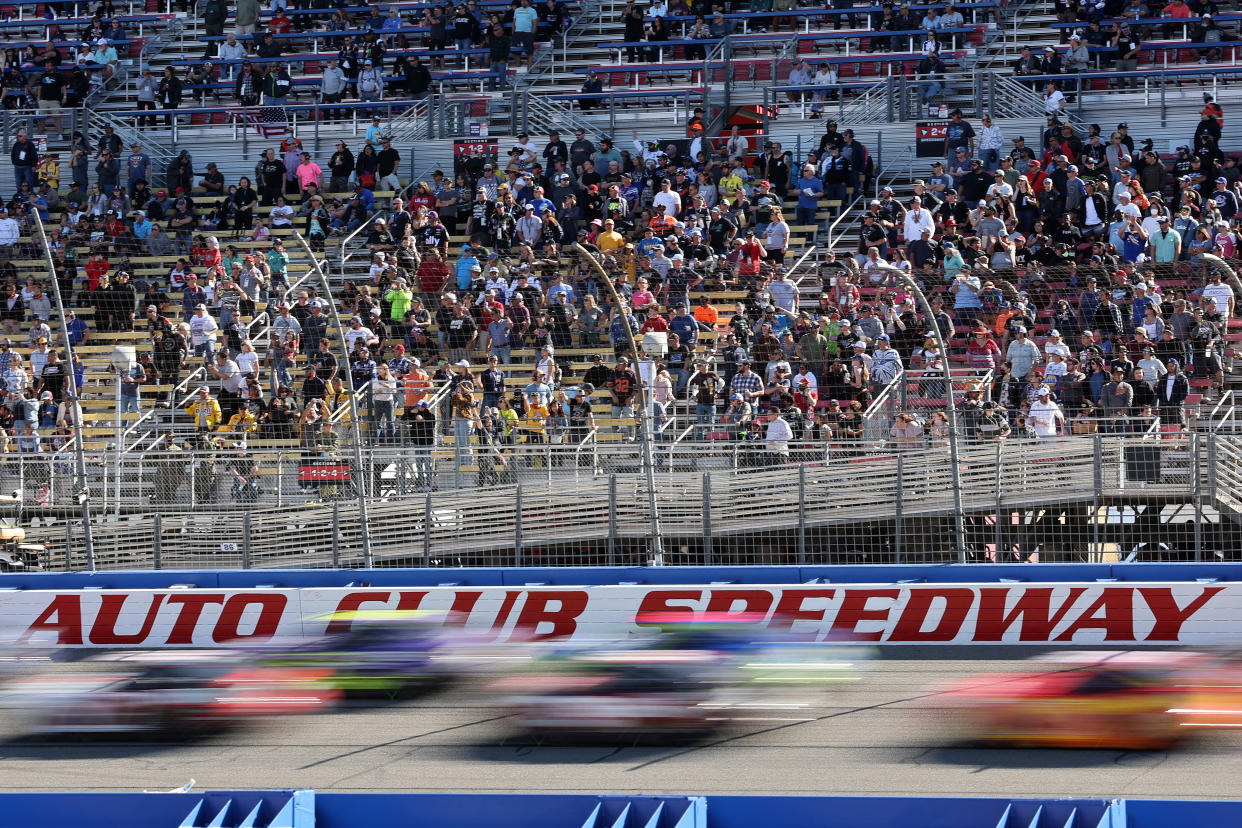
x,y
204,410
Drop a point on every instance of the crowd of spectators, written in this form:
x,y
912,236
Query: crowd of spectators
x,y
1066,276
1093,35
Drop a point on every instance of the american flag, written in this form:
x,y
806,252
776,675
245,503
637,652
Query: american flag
x,y
270,122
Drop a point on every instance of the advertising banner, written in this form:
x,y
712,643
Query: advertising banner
x,y
1062,614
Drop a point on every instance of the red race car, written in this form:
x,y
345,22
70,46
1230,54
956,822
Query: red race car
x,y
1137,700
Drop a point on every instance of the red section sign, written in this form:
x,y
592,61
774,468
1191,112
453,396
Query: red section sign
x,y
323,473
1064,614
931,139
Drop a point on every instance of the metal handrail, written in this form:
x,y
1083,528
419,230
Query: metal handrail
x,y
339,414
591,437
365,225
1215,424
798,264
881,398
906,156
1153,430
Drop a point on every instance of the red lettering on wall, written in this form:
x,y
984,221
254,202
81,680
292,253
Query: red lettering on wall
x,y
463,605
63,616
192,604
757,601
958,602
854,611
271,610
103,631
789,607
349,603
537,610
1033,606
1169,616
506,607
410,601
1112,612
660,603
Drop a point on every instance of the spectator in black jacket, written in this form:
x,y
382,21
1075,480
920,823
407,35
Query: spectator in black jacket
x,y
498,58
340,168
417,76
168,93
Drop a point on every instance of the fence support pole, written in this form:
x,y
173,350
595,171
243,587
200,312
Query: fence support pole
x,y
246,540
427,530
802,514
517,527
996,543
707,520
1211,465
336,534
1164,107
1097,487
157,545
612,520
69,544
1197,489
898,497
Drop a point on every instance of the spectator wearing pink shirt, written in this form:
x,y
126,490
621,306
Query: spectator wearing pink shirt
x,y
308,173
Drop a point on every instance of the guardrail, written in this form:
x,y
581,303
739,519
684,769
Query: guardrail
x,y
583,502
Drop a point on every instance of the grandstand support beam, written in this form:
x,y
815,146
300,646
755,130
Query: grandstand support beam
x,y
82,490
359,477
657,544
959,530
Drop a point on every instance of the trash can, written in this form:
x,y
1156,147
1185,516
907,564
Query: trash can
x,y
1142,464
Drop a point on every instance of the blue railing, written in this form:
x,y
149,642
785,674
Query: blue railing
x,y
313,809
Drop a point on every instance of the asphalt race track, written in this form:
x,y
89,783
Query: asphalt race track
x,y
880,736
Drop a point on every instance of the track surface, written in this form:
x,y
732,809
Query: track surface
x,y
876,737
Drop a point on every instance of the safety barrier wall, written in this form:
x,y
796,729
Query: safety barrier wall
x,y
1142,613
310,809
621,575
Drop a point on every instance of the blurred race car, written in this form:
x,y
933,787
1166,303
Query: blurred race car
x,y
372,652
681,675
763,654
637,693
160,692
1132,700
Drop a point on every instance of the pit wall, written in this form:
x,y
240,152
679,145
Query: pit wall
x,y
1114,605
309,809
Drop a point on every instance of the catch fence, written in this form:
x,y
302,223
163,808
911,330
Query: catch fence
x,y
1091,498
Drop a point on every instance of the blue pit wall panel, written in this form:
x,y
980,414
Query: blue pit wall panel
x,y
644,576
309,809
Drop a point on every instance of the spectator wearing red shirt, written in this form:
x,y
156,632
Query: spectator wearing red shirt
x,y
1035,176
208,256
750,254
432,273
422,197
96,269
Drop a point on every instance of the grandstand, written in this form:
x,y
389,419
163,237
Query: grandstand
x,y
732,86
